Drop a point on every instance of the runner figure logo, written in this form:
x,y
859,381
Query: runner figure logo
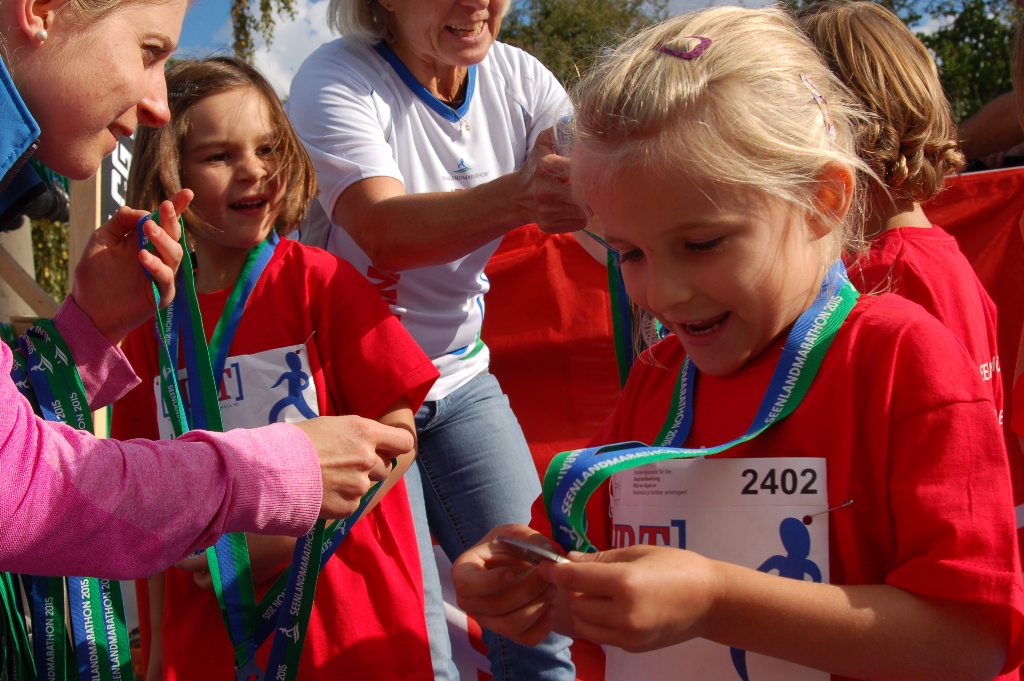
x,y
298,380
794,565
292,633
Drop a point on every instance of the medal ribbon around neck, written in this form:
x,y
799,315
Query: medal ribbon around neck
x,y
285,609
572,477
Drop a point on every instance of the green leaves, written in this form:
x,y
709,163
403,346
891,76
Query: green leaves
x,y
249,16
973,49
568,35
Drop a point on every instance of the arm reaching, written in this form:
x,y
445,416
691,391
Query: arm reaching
x,y
644,597
400,231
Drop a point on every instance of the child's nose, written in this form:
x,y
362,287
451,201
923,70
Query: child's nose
x,y
667,287
252,168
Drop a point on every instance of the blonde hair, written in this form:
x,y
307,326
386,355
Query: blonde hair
x,y
81,13
362,20
740,113
910,140
155,174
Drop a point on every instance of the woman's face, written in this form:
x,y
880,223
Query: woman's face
x,y
88,86
445,33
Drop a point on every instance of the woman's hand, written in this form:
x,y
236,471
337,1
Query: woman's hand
x,y
268,557
355,453
502,591
110,287
545,191
639,598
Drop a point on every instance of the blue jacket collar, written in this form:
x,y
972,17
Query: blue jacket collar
x,y
19,135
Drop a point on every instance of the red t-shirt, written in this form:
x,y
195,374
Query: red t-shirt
x,y
1018,406
927,267
908,433
369,598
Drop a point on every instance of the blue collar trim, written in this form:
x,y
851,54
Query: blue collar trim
x,y
439,107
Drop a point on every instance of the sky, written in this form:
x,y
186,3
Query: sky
x,y
207,31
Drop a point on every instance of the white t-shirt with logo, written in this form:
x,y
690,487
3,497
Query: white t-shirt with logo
x,y
361,114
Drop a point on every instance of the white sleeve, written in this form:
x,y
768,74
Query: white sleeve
x,y
342,123
547,100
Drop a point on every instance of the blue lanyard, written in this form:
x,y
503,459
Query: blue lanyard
x,y
810,337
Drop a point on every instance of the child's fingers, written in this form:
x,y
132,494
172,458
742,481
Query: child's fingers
x,y
203,580
599,633
473,580
496,591
521,621
593,578
194,564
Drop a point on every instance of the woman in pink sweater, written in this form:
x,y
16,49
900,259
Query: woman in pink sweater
x,y
75,75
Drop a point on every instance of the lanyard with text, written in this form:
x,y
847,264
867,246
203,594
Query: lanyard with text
x,y
573,476
287,606
229,557
45,372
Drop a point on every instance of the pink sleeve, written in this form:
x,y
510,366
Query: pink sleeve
x,y
72,504
104,369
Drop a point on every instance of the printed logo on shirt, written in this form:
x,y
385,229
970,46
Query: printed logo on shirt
x,y
463,172
256,390
386,284
990,368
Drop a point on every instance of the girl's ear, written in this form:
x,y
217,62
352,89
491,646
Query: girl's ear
x,y
833,197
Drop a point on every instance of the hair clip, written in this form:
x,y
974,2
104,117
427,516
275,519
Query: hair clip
x,y
830,127
181,90
693,53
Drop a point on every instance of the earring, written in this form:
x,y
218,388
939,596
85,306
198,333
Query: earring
x,y
42,35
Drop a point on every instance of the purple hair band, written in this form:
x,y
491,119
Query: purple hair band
x,y
689,54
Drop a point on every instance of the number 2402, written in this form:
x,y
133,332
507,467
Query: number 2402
x,y
786,480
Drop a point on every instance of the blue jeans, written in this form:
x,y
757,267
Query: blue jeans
x,y
476,473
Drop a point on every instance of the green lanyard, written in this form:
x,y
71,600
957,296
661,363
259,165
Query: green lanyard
x,y
285,609
45,372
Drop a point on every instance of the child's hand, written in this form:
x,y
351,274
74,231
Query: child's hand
x,y
268,557
502,590
111,287
639,598
199,566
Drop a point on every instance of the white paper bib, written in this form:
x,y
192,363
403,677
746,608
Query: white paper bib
x,y
267,387
748,512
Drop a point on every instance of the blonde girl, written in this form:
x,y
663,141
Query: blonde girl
x,y
717,153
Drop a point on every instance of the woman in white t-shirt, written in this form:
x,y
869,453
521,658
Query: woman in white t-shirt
x,y
431,142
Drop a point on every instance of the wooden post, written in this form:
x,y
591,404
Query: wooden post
x,y
24,284
83,221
